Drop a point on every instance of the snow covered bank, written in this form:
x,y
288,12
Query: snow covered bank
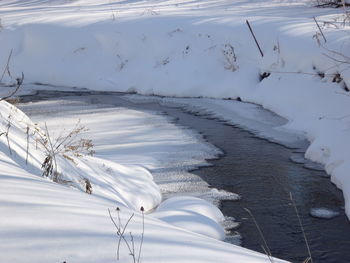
x,y
135,139
193,214
189,48
196,49
131,186
44,222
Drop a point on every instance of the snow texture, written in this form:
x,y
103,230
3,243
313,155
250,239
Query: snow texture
x,y
43,221
179,48
323,213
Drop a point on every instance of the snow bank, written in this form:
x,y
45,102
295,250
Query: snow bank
x,y
203,48
193,214
132,186
44,221
188,48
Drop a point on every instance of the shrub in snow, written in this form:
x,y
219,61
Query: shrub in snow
x,y
67,145
332,3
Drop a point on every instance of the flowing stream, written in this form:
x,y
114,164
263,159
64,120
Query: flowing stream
x,y
263,174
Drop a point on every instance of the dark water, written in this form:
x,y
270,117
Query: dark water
x,y
262,173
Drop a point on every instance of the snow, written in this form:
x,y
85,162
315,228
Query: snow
x,y
69,225
323,213
177,48
136,183
193,214
252,117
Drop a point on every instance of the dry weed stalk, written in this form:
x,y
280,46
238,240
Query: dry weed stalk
x,y
265,247
7,67
19,82
67,145
309,259
121,229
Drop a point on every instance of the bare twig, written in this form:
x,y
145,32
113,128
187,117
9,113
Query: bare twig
x,y
266,248
319,28
301,226
286,191
8,126
121,236
7,67
132,253
53,154
119,229
143,231
19,82
256,41
27,132
338,60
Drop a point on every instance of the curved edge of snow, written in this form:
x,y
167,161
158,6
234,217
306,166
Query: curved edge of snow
x,y
193,214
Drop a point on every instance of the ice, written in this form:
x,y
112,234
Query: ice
x,y
42,216
252,117
323,213
167,48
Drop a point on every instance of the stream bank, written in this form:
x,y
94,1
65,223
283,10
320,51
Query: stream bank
x,y
263,174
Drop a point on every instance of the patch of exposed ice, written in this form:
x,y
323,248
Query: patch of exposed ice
x,y
254,118
323,213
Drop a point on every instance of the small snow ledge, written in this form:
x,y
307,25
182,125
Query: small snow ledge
x,y
193,214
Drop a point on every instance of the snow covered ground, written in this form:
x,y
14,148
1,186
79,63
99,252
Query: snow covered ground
x,y
196,49
170,48
44,221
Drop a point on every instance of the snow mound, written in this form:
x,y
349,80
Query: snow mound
x,y
193,214
40,215
130,185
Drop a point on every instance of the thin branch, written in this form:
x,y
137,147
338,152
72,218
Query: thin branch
x,y
301,226
7,66
337,60
113,221
27,144
52,152
75,131
18,85
120,233
8,131
121,236
337,53
319,28
261,235
132,253
143,232
256,41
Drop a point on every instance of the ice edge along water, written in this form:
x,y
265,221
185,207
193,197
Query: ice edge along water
x,y
32,215
187,151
